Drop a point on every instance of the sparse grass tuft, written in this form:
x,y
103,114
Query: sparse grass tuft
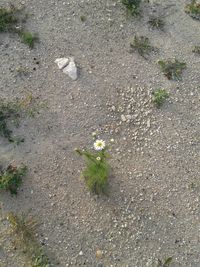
x,y
22,230
156,23
193,9
8,19
196,50
164,263
142,45
29,38
172,69
159,97
132,6
11,178
30,106
22,71
9,111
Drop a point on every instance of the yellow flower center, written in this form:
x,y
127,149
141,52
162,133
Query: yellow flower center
x,y
99,144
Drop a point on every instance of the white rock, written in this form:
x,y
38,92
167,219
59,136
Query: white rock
x,y
113,108
81,253
62,62
128,117
148,123
123,117
71,70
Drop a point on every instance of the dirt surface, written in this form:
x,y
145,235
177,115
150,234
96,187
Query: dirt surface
x,y
153,208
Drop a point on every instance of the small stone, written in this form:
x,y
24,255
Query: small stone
x,y
113,108
148,123
128,117
81,253
62,62
123,117
71,70
99,254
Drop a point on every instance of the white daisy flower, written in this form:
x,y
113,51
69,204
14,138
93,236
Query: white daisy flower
x,y
98,158
99,145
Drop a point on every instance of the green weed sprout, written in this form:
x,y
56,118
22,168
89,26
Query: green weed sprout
x,y
164,263
11,112
196,49
172,69
8,20
11,178
8,111
142,45
29,38
156,23
83,18
96,172
193,9
159,97
132,6
12,21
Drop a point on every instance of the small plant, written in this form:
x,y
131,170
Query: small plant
x,y
11,178
29,38
192,186
97,168
11,21
8,111
196,50
22,230
156,23
159,97
164,263
30,106
132,6
12,111
22,71
8,19
142,45
193,9
83,18
172,69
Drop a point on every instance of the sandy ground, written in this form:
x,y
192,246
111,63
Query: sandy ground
x,y
153,209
